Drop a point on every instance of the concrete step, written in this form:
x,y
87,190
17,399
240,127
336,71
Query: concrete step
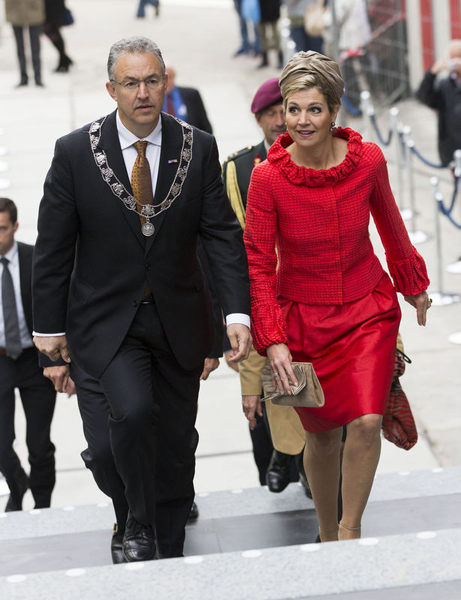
x,y
423,566
73,542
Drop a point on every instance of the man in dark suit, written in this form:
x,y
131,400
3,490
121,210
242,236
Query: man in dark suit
x,y
19,368
185,103
119,290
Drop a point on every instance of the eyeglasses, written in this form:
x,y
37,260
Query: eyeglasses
x,y
131,85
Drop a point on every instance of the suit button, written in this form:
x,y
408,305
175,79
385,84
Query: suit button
x,y
147,265
135,303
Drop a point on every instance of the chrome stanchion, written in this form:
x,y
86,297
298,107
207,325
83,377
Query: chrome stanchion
x,y
398,131
440,298
416,236
456,266
367,108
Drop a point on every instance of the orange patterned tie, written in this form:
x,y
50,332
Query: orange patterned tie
x,y
141,178
141,184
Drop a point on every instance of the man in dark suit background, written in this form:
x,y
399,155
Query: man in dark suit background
x,y
185,103
19,368
119,290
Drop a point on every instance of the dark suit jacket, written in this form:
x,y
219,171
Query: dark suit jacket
x,y
245,161
92,263
25,254
196,113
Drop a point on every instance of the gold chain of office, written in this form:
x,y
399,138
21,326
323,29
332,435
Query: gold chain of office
x,y
148,211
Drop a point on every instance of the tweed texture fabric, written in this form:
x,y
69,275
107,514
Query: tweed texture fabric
x,y
307,235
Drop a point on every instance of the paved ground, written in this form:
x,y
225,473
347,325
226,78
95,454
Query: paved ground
x,y
199,38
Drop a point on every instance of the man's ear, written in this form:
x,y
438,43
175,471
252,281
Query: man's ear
x,y
15,226
110,87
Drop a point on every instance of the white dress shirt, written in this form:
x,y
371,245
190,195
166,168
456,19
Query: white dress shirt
x,y
154,146
13,266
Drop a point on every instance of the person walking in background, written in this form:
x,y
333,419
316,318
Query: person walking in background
x,y
354,37
141,12
319,293
246,45
55,11
444,95
185,103
29,14
296,10
268,32
19,369
118,287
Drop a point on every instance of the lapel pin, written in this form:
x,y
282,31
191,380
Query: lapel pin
x,y
172,160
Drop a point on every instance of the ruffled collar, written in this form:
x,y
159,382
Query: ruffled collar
x,y
279,157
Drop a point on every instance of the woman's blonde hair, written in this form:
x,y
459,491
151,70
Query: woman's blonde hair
x,y
311,69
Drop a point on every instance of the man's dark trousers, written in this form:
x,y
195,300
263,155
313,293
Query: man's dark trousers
x,y
144,406
38,400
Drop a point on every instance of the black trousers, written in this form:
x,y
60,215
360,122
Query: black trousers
x,y
140,429
38,399
34,35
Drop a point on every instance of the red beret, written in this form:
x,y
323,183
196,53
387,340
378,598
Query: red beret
x,y
267,95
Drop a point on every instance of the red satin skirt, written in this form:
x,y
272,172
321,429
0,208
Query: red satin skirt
x,y
352,348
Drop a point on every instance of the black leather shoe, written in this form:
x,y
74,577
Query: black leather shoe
x,y
20,488
302,475
193,512
139,541
116,546
278,472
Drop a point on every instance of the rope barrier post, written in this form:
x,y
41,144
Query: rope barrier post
x,y
416,236
456,266
403,135
440,298
396,125
367,108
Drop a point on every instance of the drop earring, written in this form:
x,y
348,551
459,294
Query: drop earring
x,y
332,125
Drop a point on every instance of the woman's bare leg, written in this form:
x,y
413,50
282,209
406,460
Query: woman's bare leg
x,y
322,466
360,460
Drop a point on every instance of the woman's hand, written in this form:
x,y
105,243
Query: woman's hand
x,y
251,407
422,303
282,372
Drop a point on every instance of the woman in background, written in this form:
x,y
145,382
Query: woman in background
x,y
55,18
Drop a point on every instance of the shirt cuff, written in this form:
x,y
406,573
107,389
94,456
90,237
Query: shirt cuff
x,y
47,334
238,318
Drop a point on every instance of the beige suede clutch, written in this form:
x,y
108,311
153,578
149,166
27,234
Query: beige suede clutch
x,y
308,393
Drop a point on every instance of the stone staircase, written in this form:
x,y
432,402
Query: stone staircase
x,y
250,544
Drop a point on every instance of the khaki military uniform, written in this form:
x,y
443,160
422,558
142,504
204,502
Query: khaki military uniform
x,y
286,430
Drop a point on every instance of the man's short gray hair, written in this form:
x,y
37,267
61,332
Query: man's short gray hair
x,y
136,44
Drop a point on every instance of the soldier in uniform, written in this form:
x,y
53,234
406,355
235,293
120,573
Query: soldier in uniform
x,y
273,452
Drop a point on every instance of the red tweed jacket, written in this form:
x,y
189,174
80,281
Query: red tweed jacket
x,y
318,221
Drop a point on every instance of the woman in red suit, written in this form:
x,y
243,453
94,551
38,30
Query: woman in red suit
x,y
319,293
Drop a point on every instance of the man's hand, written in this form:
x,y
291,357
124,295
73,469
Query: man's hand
x,y
211,364
251,407
439,66
240,340
53,347
233,365
60,376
